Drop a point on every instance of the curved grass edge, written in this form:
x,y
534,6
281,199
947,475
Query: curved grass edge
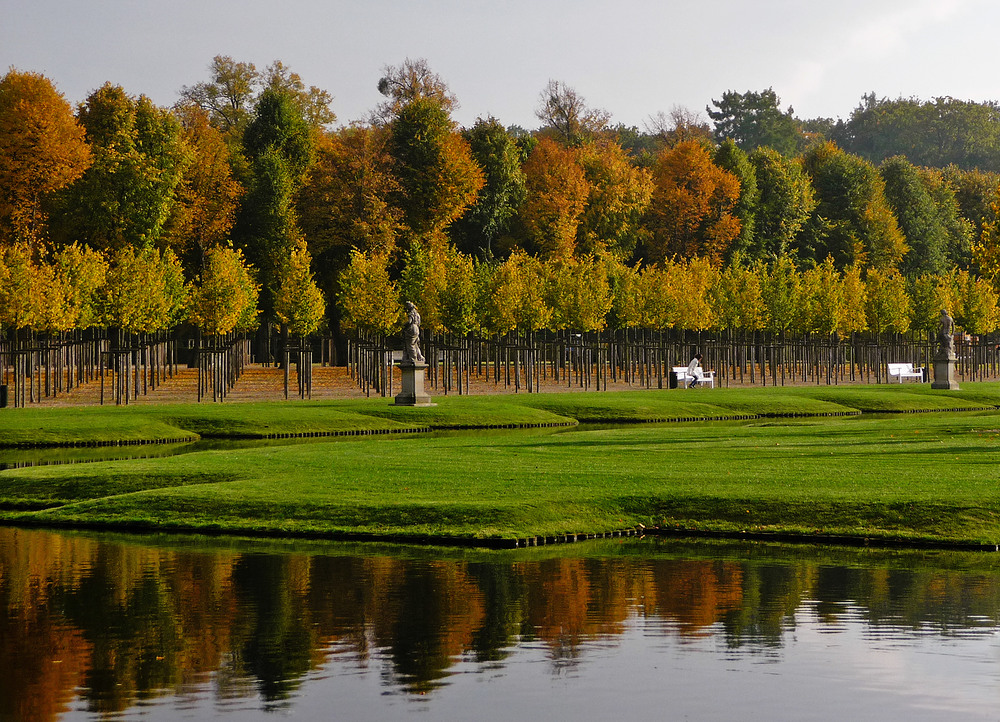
x,y
171,423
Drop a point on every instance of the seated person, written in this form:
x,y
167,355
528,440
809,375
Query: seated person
x,y
694,371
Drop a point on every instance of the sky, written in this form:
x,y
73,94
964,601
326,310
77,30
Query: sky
x,y
633,58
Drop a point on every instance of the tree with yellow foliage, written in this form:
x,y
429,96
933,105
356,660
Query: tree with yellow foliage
x,y
887,303
225,297
368,298
298,302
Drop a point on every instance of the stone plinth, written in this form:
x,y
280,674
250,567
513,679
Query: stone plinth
x,y
944,372
412,392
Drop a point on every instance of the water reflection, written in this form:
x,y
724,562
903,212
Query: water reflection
x,y
110,626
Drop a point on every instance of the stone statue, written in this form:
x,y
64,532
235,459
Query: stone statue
x,y
411,335
946,335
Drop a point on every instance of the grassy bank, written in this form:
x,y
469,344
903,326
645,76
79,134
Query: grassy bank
x,y
915,478
90,425
926,477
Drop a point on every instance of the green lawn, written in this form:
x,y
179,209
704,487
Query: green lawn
x,y
176,422
921,477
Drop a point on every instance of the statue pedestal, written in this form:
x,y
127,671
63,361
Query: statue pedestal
x,y
412,393
944,372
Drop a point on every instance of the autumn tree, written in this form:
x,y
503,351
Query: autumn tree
x,y
557,196
780,289
918,217
81,272
785,204
42,150
224,298
579,293
19,303
976,300
207,196
368,298
566,116
228,97
821,304
736,298
299,303
514,298
345,204
730,157
127,195
852,221
929,293
438,177
619,195
692,209
500,157
887,303
690,283
144,291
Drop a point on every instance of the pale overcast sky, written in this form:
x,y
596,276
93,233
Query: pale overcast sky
x,y
630,57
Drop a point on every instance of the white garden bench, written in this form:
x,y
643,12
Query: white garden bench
x,y
905,371
683,379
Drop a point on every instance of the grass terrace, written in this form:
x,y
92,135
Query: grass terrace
x,y
811,462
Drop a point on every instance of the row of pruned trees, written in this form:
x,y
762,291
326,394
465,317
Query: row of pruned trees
x,y
458,294
144,291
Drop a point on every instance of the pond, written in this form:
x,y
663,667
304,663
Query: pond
x,y
167,628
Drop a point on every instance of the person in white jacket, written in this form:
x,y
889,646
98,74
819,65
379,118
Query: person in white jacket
x,y
694,371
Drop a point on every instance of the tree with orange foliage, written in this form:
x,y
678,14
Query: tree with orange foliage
x,y
693,207
557,197
208,194
42,150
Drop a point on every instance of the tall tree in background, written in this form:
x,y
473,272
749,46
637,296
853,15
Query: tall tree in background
x,y
976,193
730,157
409,81
680,125
692,209
42,150
437,174
853,221
565,114
755,119
345,204
933,133
557,196
918,217
312,103
278,145
228,97
500,157
126,196
619,195
786,202
208,195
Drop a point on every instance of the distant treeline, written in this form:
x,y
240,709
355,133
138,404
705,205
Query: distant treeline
x,y
258,208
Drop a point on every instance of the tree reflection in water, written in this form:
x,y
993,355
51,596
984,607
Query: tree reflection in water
x,y
114,621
